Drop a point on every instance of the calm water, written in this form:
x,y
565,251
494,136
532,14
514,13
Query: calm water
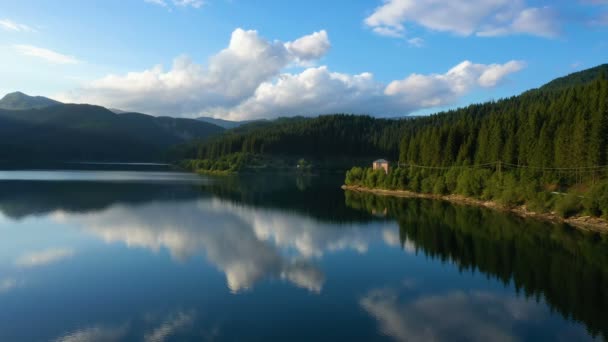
x,y
162,256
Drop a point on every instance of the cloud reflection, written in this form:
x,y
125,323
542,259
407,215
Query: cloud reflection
x,y
45,257
457,315
159,329
95,334
247,244
7,284
174,324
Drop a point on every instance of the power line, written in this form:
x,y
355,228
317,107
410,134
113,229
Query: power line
x,y
499,164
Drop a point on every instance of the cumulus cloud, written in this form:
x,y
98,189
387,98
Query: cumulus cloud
x,y
310,47
231,76
422,91
10,25
246,80
45,257
45,54
464,17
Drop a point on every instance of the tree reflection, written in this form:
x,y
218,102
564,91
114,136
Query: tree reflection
x,y
568,267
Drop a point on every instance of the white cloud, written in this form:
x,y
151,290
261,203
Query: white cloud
x,y
463,17
422,91
232,75
538,21
45,257
313,91
46,54
310,47
10,25
192,3
246,81
157,2
180,3
416,42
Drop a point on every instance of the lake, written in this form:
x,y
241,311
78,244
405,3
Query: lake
x,y
155,255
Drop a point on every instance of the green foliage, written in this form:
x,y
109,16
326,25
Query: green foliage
x,y
516,151
569,205
509,188
323,137
577,78
596,201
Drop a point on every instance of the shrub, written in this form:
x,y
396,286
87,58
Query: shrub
x,y
440,187
568,205
596,202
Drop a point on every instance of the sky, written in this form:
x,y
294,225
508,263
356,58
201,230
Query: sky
x,y
251,59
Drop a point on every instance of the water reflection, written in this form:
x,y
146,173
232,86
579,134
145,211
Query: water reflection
x,y
245,243
460,316
567,267
44,257
227,259
150,328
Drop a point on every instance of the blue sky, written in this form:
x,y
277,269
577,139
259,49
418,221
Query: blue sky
x,y
386,58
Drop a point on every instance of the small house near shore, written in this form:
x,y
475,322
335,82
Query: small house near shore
x,y
381,164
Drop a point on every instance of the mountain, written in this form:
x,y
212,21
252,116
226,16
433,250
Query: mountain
x,y
577,78
79,132
227,124
21,101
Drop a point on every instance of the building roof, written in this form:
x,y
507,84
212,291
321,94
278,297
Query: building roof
x,y
381,161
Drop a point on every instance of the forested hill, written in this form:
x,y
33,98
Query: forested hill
x,y
555,128
324,136
562,124
68,132
577,78
21,101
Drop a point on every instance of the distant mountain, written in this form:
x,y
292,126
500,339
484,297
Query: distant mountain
x,y
92,133
227,124
577,78
21,101
117,111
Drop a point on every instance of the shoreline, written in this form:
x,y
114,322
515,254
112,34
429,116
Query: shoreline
x,y
588,223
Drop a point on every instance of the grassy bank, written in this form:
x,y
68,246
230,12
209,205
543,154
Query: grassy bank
x,y
527,192
253,163
596,224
